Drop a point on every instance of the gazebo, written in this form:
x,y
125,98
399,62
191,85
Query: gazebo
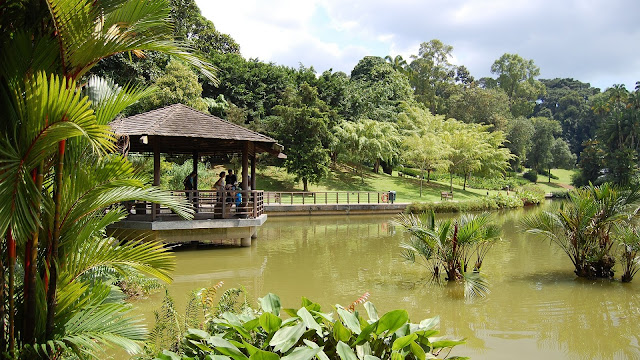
x,y
179,129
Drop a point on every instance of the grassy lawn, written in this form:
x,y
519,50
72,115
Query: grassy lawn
x,y
562,183
343,179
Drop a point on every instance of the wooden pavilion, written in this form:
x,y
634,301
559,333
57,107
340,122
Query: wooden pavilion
x,y
179,129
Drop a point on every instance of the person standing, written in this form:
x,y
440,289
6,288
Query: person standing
x,y
231,179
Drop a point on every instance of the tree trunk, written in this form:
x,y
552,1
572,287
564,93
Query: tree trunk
x,y
451,183
55,238
376,166
428,176
549,174
421,180
305,184
387,168
11,257
31,271
464,184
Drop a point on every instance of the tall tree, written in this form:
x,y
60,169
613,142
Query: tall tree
x,y
545,132
519,134
302,125
517,77
427,152
482,106
432,74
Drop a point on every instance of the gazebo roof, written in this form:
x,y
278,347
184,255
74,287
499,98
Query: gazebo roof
x,y
181,129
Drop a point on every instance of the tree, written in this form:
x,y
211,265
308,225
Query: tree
x,y
302,124
399,64
544,133
432,75
482,106
562,156
427,152
365,141
179,85
54,211
517,77
376,90
519,134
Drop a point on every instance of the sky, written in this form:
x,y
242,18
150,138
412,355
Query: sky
x,y
594,41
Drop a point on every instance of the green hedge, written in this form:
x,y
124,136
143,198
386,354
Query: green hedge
x,y
491,202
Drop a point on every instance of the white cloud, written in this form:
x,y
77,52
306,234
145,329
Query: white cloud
x,y
593,41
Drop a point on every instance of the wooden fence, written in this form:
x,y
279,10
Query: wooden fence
x,y
326,197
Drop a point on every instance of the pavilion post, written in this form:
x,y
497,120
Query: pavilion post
x,y
253,171
195,196
245,170
156,173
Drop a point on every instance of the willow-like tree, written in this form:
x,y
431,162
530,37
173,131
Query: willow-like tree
x,y
427,152
366,141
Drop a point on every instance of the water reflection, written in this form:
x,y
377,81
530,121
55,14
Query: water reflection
x,y
536,308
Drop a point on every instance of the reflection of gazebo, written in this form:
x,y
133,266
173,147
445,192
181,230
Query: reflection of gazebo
x,y
179,129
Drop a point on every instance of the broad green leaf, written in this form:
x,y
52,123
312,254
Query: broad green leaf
x,y
196,334
250,348
345,352
446,343
286,337
320,355
341,333
309,321
350,319
200,345
168,355
417,351
291,312
400,343
372,312
429,324
392,321
226,348
216,357
403,331
252,324
366,333
271,303
397,356
302,353
310,305
264,355
269,322
371,357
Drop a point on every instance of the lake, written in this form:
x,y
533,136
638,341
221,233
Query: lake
x,y
537,308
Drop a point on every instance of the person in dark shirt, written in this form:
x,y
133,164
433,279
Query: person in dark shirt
x,y
231,179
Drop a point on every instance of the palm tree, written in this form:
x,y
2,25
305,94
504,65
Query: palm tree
x,y
51,212
398,63
584,227
454,248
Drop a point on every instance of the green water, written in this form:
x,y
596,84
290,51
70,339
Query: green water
x,y
537,308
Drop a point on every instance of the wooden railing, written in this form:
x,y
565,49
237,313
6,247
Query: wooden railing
x,y
326,197
213,204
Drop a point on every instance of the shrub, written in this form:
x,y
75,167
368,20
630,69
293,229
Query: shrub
x,y
531,175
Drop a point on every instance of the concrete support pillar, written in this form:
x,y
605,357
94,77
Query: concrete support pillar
x,y
245,242
254,232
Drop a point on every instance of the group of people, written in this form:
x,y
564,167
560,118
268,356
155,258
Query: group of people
x,y
227,181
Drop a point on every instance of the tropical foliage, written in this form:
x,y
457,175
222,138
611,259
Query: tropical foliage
x,y
594,227
451,248
59,184
307,333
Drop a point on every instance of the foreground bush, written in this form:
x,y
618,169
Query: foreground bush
x,y
308,333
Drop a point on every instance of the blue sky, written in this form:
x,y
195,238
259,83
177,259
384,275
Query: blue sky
x,y
589,40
